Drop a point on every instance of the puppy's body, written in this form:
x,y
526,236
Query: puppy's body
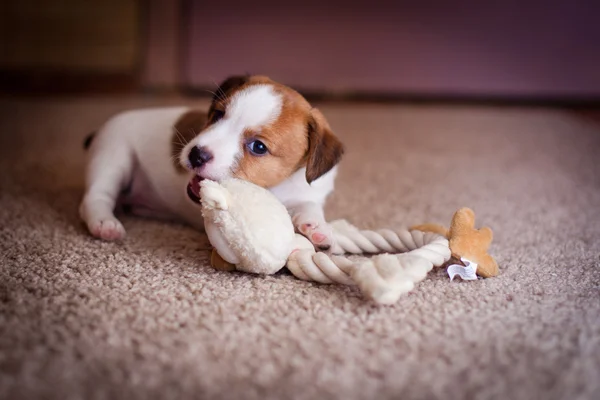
x,y
151,160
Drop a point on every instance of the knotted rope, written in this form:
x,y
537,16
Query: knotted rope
x,y
384,277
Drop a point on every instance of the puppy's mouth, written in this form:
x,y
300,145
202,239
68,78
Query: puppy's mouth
x,y
193,188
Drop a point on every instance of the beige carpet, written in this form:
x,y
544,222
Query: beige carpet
x,y
83,319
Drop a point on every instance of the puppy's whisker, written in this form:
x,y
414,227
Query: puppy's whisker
x,y
213,93
182,141
219,91
224,96
179,142
178,135
221,95
176,158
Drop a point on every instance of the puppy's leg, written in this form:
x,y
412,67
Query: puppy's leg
x,y
309,220
109,171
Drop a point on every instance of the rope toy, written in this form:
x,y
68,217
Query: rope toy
x,y
252,231
383,278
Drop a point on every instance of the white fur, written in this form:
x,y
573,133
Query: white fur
x,y
295,190
255,106
133,150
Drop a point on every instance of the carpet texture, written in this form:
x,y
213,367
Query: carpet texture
x,y
148,318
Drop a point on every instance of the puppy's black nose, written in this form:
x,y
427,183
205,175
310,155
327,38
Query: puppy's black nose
x,y
199,156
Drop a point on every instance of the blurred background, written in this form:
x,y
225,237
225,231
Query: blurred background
x,y
528,50
440,104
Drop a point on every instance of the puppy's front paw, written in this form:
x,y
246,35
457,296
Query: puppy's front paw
x,y
320,234
107,229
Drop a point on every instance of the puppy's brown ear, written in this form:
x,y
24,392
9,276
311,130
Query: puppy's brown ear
x,y
324,149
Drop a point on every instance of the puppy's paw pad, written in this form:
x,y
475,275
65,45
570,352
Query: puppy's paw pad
x,y
320,235
107,229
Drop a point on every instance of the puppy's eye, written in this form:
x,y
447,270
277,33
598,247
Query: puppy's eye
x,y
257,148
217,115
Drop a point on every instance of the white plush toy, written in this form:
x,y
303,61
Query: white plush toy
x,y
248,226
251,231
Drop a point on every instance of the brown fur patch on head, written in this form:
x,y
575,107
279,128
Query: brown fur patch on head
x,y
300,137
185,129
324,149
287,143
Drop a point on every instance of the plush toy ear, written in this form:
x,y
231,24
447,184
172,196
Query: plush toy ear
x,y
213,195
324,149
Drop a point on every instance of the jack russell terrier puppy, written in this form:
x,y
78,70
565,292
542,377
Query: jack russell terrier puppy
x,y
151,161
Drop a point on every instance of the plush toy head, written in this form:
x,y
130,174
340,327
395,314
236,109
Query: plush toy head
x,y
248,226
466,241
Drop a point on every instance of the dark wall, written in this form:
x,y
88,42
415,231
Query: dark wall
x,y
509,48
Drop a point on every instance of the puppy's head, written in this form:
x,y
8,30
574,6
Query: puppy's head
x,y
263,132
